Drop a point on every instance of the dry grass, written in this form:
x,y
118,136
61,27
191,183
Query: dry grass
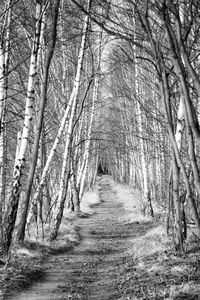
x,y
68,231
132,203
150,269
190,291
151,242
90,199
24,266
153,239
156,271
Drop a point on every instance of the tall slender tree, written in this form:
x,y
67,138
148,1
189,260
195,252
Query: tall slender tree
x,y
43,99
66,156
12,206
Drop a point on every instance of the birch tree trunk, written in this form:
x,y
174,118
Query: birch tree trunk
x,y
85,161
165,101
11,211
66,157
84,166
48,162
178,234
4,68
191,121
73,96
175,42
180,124
43,99
147,207
178,206
174,173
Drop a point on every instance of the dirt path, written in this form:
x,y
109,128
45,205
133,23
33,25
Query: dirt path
x,y
102,267
90,270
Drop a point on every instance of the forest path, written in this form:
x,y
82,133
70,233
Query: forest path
x,y
91,269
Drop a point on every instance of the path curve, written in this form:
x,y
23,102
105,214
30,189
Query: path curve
x,y
90,270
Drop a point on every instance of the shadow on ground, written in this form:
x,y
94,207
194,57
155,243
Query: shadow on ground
x,y
102,266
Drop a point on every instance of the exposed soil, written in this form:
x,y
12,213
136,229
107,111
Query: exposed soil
x,y
101,266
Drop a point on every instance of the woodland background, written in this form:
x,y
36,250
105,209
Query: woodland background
x,y
90,87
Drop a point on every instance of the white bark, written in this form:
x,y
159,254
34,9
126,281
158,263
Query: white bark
x,y
181,109
50,156
71,107
83,170
2,84
140,129
83,167
142,155
180,124
11,212
2,106
66,156
73,110
4,57
4,61
19,140
30,98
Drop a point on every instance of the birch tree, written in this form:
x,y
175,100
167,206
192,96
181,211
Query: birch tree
x,y
4,68
43,99
12,207
66,156
83,168
146,193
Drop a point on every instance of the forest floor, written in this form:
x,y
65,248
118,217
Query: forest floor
x,y
121,255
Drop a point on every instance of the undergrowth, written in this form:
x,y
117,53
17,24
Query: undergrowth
x,y
23,266
151,269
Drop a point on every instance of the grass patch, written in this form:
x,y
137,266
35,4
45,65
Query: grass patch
x,y
162,275
153,241
152,237
25,265
152,270
90,199
131,200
